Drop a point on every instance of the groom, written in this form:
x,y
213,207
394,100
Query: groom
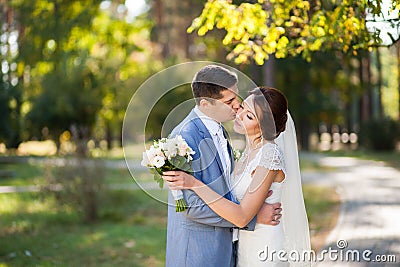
x,y
198,236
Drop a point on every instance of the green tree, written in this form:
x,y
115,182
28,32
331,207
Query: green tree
x,y
43,32
10,84
338,85
282,28
81,61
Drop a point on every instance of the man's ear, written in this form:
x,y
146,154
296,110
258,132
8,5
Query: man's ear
x,y
204,103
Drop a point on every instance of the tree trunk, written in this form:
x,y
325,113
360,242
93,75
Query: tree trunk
x,y
108,135
398,75
269,71
256,73
365,82
379,84
90,206
120,134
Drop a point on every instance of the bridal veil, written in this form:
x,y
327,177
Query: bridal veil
x,y
294,216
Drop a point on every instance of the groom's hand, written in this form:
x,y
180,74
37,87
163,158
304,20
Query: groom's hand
x,y
269,213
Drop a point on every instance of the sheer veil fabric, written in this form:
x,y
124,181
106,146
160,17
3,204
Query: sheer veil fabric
x,y
294,216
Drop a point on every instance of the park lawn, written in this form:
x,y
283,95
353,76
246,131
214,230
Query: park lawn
x,y
131,230
323,208
21,174
24,174
31,173
392,158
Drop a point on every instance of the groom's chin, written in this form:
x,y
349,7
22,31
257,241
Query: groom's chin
x,y
237,130
232,117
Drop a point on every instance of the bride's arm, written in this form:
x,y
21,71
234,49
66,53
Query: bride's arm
x,y
238,214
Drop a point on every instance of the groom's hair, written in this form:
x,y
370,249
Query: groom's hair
x,y
210,81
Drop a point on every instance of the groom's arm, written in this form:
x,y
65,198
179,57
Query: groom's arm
x,y
198,210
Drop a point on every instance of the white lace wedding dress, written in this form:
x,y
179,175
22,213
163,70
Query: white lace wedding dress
x,y
256,247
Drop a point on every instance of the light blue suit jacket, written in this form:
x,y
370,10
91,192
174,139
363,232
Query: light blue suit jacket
x,y
198,236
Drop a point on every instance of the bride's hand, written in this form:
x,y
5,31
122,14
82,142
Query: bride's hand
x,y
179,180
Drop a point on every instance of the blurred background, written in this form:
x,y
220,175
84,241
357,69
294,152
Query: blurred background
x,y
70,68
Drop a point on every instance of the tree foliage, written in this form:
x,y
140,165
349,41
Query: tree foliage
x,y
283,28
78,63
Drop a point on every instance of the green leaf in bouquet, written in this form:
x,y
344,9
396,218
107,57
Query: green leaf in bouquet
x,y
182,161
174,162
186,167
153,170
158,178
177,162
161,183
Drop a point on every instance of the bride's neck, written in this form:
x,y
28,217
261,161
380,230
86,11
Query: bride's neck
x,y
254,142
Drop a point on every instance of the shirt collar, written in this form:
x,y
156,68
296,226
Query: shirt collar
x,y
212,125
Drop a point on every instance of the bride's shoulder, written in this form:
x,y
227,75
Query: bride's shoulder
x,y
271,151
271,157
271,147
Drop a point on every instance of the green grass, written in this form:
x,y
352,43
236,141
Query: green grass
x,y
310,165
23,174
27,174
131,232
322,205
392,158
319,200
32,174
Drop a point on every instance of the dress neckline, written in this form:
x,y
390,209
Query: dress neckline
x,y
257,155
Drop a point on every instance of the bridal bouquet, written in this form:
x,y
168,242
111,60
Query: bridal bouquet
x,y
169,154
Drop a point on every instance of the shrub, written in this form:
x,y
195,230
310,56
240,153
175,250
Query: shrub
x,y
380,134
78,182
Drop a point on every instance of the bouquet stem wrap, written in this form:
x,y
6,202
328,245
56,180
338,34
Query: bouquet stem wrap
x,y
180,202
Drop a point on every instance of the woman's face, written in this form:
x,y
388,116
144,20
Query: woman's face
x,y
246,121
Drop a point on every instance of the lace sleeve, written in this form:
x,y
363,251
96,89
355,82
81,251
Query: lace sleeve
x,y
271,158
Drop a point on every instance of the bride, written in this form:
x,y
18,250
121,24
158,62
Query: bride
x,y
269,162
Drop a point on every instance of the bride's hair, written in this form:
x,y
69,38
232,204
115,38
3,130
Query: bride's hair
x,y
272,113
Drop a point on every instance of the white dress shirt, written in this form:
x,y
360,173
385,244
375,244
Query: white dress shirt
x,y
220,142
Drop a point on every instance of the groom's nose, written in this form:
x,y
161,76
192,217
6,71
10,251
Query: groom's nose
x,y
239,112
236,106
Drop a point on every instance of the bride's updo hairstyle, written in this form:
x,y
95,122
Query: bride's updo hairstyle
x,y
271,108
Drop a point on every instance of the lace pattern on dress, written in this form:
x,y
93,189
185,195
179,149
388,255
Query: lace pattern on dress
x,y
272,158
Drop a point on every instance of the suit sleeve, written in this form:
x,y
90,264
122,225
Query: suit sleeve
x,y
198,210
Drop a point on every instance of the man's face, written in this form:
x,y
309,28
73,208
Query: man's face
x,y
225,108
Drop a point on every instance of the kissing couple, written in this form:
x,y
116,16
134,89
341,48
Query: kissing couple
x,y
248,212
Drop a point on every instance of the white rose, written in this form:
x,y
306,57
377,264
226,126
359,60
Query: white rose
x,y
145,161
170,149
158,161
182,152
179,140
156,151
162,145
151,153
183,145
